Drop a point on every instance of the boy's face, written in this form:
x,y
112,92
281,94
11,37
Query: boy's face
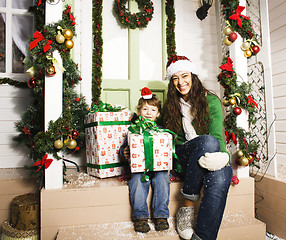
x,y
149,112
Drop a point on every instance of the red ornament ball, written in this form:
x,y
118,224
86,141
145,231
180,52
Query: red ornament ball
x,y
74,134
255,49
77,99
236,111
232,36
31,83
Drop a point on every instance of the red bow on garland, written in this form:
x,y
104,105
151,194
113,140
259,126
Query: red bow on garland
x,y
39,3
232,135
237,15
71,16
227,66
39,37
26,131
251,101
44,162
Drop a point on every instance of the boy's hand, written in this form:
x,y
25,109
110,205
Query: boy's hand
x,y
127,153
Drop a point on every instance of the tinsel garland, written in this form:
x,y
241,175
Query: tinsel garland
x,y
133,20
97,50
240,93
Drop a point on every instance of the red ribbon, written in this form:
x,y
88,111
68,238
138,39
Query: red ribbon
x,y
251,101
227,66
71,16
39,37
39,3
26,131
237,15
232,136
44,162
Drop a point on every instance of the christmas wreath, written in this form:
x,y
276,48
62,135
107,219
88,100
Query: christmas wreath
x,y
134,20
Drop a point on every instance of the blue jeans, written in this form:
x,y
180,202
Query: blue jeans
x,y
215,184
160,182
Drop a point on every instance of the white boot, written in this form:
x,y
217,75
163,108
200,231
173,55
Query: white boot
x,y
185,222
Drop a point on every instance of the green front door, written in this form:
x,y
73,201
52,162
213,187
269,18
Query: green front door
x,y
143,59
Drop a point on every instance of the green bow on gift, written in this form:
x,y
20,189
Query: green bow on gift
x,y
104,107
147,127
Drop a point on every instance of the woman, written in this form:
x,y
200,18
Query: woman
x,y
195,114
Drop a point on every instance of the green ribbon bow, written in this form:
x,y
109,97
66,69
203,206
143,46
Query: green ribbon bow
x,y
103,107
147,127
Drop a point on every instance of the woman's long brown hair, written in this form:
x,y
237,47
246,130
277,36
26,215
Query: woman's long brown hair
x,y
199,110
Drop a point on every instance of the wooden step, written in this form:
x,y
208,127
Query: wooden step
x,y
235,227
86,200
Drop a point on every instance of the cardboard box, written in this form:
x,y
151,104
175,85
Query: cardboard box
x,y
105,133
162,152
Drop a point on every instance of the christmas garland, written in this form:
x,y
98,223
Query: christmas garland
x,y
14,83
170,28
97,50
66,134
133,20
237,97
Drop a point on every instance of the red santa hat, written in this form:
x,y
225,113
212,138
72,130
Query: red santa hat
x,y
146,93
179,63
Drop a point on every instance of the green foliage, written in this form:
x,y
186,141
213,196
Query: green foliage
x,y
170,29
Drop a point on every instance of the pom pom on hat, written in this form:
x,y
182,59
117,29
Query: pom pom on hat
x,y
146,93
179,63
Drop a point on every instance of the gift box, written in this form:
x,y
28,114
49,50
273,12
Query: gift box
x,y
105,133
161,153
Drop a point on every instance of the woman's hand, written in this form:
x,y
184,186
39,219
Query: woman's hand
x,y
127,153
214,161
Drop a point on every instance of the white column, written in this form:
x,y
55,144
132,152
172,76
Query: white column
x,y
240,66
53,100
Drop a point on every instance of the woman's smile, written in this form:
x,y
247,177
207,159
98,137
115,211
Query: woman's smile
x,y
183,82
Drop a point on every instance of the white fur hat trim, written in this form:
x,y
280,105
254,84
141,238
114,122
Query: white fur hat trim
x,y
180,65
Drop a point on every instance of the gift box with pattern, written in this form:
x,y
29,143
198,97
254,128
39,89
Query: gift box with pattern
x,y
105,133
162,152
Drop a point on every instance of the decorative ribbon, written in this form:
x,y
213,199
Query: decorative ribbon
x,y
232,136
236,96
39,37
103,107
227,66
40,2
26,131
44,162
68,11
236,16
105,166
106,123
55,62
252,41
142,124
251,101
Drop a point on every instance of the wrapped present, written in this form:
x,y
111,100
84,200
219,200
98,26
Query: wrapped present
x,y
151,148
105,133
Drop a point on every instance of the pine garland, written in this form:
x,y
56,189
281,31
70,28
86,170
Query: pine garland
x,y
239,95
97,50
170,28
14,83
70,124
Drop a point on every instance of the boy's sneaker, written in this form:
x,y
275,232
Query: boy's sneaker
x,y
185,222
161,224
141,225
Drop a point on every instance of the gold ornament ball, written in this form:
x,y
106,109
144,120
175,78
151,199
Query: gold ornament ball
x,y
232,101
68,34
30,72
227,31
247,53
71,144
58,144
225,102
227,42
60,38
243,161
239,153
245,46
69,44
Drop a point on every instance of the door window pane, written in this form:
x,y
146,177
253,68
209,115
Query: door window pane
x,y
22,4
2,3
2,43
22,28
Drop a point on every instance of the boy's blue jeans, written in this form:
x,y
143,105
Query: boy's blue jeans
x,y
215,184
160,182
